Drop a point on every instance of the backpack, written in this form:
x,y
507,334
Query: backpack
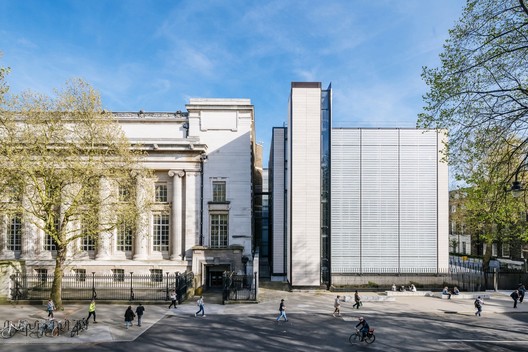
x,y
477,303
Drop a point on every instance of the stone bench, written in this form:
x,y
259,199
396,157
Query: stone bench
x,y
368,298
465,296
409,293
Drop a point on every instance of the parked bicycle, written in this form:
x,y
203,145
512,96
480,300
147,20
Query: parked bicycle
x,y
10,328
357,336
50,328
80,325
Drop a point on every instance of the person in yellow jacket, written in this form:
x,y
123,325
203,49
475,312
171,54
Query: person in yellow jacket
x,y
91,311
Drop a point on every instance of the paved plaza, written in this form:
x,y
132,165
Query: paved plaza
x,y
423,323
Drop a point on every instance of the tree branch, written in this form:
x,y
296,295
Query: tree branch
x,y
524,7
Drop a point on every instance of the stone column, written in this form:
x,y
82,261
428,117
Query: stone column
x,y
192,212
176,214
104,245
142,227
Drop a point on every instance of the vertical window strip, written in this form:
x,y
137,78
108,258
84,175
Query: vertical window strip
x,y
160,232
14,235
219,191
124,237
219,230
161,193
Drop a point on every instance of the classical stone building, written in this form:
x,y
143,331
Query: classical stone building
x,y
200,200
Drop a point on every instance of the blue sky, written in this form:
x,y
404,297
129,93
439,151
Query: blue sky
x,y
154,55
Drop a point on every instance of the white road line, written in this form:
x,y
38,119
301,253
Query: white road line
x,y
484,341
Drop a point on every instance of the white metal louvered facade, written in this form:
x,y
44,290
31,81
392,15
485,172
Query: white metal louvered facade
x,y
387,189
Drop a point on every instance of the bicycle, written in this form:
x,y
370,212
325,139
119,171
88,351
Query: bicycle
x,y
49,328
10,329
80,325
357,336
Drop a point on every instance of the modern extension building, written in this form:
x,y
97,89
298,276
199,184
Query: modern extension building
x,y
200,200
349,203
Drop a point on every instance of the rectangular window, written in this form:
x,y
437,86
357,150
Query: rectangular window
x,y
14,233
505,249
464,248
160,232
161,193
80,275
156,275
42,275
124,193
88,243
49,244
219,230
119,275
219,191
124,237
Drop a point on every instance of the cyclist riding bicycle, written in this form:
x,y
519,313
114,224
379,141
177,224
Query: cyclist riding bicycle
x,y
364,328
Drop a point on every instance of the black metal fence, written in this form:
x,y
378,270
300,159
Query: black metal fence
x,y
239,287
104,287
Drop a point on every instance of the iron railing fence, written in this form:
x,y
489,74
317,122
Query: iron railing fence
x,y
104,287
239,287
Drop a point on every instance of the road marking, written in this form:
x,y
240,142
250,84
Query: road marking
x,y
484,341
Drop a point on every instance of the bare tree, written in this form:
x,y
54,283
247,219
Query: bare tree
x,y
67,169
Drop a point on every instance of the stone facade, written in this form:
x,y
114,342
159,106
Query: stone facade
x,y
200,194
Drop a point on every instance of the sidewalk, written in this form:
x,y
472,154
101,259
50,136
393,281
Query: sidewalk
x,y
111,326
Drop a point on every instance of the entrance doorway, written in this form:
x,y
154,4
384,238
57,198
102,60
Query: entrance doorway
x,y
215,276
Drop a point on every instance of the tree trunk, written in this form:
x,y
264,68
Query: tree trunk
x,y
486,263
56,287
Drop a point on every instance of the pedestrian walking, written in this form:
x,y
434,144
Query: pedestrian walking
x,y
337,305
91,311
173,299
201,306
357,299
478,304
522,292
139,312
50,308
282,311
129,316
515,296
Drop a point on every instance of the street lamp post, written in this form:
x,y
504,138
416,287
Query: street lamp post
x,y
131,288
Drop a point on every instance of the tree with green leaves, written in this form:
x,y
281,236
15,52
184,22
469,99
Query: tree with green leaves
x,y
489,212
67,170
480,91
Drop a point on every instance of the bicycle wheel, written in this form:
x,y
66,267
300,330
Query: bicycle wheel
x,y
353,338
55,331
8,332
370,338
75,330
40,331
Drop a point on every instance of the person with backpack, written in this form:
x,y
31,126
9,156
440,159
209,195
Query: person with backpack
x,y
282,311
357,299
201,306
173,299
129,316
522,292
515,296
478,304
50,308
139,312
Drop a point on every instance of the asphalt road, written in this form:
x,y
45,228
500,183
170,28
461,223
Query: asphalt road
x,y
318,332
